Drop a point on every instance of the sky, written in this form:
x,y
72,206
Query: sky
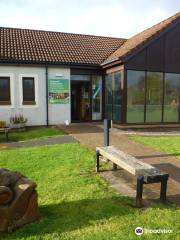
x,y
115,18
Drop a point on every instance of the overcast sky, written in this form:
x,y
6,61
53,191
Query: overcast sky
x,y
117,18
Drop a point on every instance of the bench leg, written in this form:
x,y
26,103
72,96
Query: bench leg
x,y
7,137
139,191
163,189
114,167
97,161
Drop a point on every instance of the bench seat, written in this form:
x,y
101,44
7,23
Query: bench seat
x,y
144,172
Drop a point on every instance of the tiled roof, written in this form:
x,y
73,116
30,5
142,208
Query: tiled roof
x,y
138,40
23,45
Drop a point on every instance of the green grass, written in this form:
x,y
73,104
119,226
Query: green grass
x,y
34,133
76,203
167,144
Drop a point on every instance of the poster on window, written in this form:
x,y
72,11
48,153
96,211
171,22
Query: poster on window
x,y
58,91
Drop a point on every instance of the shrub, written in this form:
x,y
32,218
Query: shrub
x,y
18,119
2,124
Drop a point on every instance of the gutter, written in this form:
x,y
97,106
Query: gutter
x,y
110,61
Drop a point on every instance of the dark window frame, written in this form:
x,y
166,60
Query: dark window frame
x,y
7,101
26,101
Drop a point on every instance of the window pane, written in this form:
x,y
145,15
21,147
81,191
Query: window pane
x,y
80,78
96,98
4,89
108,107
171,97
154,97
117,97
135,96
28,89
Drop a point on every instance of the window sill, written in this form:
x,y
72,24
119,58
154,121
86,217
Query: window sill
x,y
4,103
29,103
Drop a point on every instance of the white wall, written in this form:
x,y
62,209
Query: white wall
x,y
36,114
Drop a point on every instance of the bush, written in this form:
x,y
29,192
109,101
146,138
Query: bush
x,y
18,119
2,124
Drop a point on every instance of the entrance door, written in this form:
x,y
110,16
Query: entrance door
x,y
80,101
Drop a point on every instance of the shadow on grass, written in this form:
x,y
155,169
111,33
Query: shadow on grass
x,y
70,216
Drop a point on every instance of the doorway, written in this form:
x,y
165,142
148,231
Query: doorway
x,y
80,101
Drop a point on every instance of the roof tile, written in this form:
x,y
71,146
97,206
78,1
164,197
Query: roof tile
x,y
54,47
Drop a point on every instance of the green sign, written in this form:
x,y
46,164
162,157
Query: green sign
x,y
58,91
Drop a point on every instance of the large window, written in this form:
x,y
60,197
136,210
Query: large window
x,y
135,96
171,97
28,90
5,98
113,96
154,97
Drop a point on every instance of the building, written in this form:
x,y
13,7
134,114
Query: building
x,y
53,77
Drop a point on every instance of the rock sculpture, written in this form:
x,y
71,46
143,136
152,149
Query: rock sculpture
x,y
18,200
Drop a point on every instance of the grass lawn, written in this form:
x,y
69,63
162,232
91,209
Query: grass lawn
x,y
167,144
76,203
31,133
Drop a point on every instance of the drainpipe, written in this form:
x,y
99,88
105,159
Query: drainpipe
x,y
47,99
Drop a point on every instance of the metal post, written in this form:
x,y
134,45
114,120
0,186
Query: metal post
x,y
107,125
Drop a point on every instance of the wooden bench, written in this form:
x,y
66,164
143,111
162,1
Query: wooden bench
x,y
144,172
6,132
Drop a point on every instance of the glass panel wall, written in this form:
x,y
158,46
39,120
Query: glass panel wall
x,y
135,96
113,96
96,97
171,97
109,96
154,97
117,101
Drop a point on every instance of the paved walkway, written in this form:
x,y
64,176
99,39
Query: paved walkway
x,y
39,142
92,136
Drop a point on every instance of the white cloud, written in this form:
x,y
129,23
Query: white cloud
x,y
117,18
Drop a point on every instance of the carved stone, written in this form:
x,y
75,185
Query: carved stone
x,y
18,200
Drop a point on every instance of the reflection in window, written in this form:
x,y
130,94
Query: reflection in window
x,y
5,91
135,96
113,96
117,97
154,97
109,95
28,90
171,97
96,97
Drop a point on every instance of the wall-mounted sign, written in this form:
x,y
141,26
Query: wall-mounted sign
x,y
58,91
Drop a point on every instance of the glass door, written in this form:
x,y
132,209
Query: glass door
x,y
96,97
